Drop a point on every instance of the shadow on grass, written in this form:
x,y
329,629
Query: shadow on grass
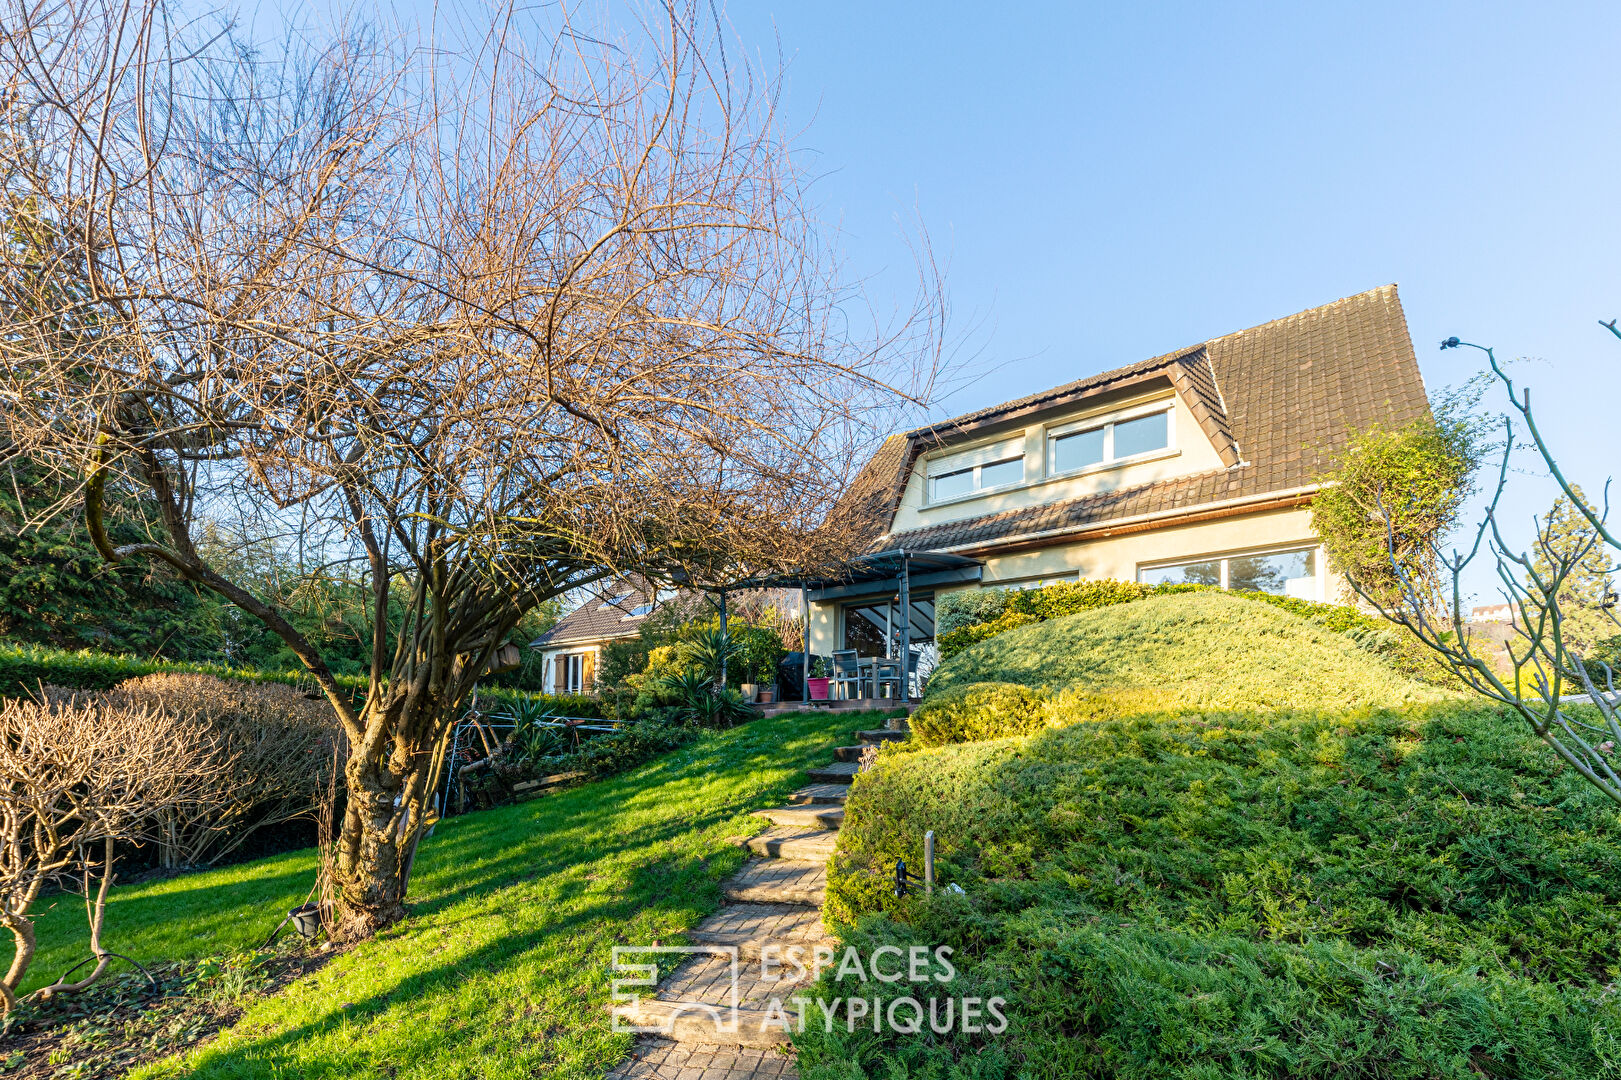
x,y
502,967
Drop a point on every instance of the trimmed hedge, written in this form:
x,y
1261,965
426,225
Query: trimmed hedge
x,y
1416,893
24,668
969,616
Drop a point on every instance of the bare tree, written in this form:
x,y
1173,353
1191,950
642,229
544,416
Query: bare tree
x,y
75,778
489,321
1567,698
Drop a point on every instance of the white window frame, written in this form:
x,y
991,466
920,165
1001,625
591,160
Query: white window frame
x,y
1106,422
975,458
571,668
1320,576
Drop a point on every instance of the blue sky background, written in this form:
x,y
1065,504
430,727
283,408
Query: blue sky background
x,y
1115,181
1112,181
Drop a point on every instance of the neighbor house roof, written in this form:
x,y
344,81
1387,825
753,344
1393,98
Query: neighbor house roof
x,y
1278,401
615,610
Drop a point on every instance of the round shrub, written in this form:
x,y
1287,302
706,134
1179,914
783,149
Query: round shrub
x,y
987,710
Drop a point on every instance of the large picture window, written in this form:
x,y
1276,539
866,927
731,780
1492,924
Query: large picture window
x,y
1282,573
1092,443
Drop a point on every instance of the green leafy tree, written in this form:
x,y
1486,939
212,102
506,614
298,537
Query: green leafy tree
x,y
1567,538
55,588
1392,495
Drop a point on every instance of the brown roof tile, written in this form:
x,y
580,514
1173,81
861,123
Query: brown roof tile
x,y
1278,401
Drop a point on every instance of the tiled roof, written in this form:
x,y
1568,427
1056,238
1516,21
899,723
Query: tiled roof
x,y
604,617
1278,401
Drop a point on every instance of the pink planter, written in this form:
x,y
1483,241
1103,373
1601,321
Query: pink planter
x,y
817,688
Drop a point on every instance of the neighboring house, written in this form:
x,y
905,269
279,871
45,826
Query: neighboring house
x,y
1491,613
1196,466
572,650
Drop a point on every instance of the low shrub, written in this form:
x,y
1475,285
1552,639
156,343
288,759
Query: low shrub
x,y
1206,650
1421,892
976,711
969,616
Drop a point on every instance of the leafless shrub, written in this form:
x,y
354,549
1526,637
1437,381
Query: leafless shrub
x,y
278,743
78,776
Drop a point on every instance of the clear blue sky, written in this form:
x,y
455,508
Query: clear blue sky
x,y
1112,181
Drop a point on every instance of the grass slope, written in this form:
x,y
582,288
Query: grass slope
x,y
1204,650
502,970
1272,878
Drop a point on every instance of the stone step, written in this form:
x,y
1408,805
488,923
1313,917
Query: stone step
x,y
804,817
802,845
844,771
778,881
820,794
881,735
685,1022
751,928
655,1058
848,753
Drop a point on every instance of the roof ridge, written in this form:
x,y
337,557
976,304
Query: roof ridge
x,y
1385,292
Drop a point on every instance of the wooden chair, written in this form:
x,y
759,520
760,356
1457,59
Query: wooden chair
x,y
846,672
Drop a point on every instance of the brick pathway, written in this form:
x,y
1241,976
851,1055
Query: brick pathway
x,y
774,900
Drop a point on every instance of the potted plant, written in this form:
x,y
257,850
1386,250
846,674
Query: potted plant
x,y
817,683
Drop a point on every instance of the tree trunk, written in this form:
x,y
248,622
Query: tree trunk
x,y
388,782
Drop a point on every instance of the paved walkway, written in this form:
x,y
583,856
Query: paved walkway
x,y
775,900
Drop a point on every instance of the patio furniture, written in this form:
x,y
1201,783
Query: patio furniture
x,y
846,673
884,673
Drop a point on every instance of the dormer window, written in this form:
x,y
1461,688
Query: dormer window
x,y
971,472
1089,444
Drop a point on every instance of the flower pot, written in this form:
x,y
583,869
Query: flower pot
x,y
817,688
306,920
768,695
750,691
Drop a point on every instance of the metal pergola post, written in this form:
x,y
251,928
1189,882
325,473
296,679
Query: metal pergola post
x,y
723,635
906,626
804,645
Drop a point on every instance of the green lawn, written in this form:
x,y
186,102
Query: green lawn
x,y
502,968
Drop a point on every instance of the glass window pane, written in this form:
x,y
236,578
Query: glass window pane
x,y
951,485
1142,435
998,473
1078,450
1196,573
1291,573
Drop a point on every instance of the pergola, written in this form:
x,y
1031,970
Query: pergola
x,y
858,576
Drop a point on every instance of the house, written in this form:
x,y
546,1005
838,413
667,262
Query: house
x,y
1196,466
571,651
1491,613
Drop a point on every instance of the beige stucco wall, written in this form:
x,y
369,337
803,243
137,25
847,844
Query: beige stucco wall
x,y
1120,557
1191,452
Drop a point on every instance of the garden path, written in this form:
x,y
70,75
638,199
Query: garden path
x,y
775,900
